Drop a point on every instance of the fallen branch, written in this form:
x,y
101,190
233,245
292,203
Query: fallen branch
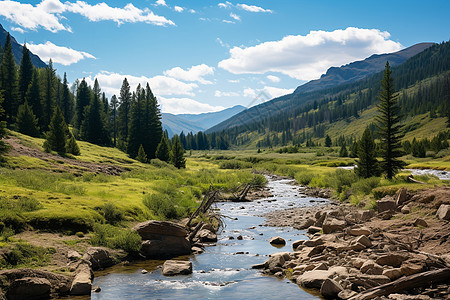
x,y
415,181
406,283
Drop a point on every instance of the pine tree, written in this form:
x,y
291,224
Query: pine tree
x,y
8,82
124,111
354,150
367,164
66,101
57,134
114,104
388,126
141,156
25,73
83,100
34,96
327,141
26,121
48,95
343,151
93,128
177,158
163,151
152,123
136,131
72,146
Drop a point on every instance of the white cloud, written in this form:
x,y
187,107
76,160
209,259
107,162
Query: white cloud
x,y
161,2
225,5
222,43
226,94
178,8
186,106
17,29
194,73
253,8
307,57
273,78
160,85
272,92
228,21
58,54
49,13
192,11
234,80
234,16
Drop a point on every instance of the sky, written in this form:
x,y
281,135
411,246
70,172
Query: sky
x,y
203,56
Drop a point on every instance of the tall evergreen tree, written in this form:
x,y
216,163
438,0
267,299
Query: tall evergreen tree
x,y
152,123
141,156
57,134
163,150
136,133
72,146
83,100
389,126
66,101
48,95
124,111
178,159
8,81
26,121
114,104
93,128
327,141
343,152
367,164
34,95
25,73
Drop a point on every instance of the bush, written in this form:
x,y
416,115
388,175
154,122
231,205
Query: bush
x,y
340,179
259,180
25,255
161,205
304,178
234,164
116,238
111,213
382,191
365,186
6,233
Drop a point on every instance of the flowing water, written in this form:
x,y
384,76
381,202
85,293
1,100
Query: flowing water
x,y
221,273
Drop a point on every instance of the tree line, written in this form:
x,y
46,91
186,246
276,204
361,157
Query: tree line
x,y
38,103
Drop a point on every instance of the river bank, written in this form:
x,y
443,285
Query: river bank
x,y
402,249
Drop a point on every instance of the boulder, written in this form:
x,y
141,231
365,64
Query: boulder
x,y
443,212
314,229
29,288
275,262
150,230
372,268
333,225
166,246
316,250
386,204
411,267
321,266
82,282
314,279
176,267
306,224
393,260
357,231
206,236
393,274
364,240
405,210
297,243
197,250
420,222
99,258
347,294
355,246
330,289
401,197
313,242
365,215
358,262
277,241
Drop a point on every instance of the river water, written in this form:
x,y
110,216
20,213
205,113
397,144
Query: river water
x,y
220,273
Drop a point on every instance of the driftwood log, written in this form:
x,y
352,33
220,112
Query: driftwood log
x,y
406,283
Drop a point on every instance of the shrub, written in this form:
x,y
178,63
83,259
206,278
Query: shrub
x,y
26,255
161,205
259,180
234,164
340,179
304,178
116,238
111,213
382,191
6,233
365,186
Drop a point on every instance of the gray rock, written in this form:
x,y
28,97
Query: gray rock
x,y
386,204
277,241
206,236
150,230
99,258
297,243
166,246
314,279
330,289
370,265
364,240
443,212
314,229
313,242
29,288
333,225
306,224
275,262
176,267
82,282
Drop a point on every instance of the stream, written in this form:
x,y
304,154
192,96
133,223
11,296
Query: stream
x,y
221,273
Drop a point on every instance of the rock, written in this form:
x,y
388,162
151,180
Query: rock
x,y
364,240
150,230
408,297
313,242
333,225
29,288
386,204
316,250
393,274
393,260
411,267
176,267
166,246
359,231
277,241
401,197
99,258
443,212
366,215
82,282
346,294
206,236
379,279
306,224
372,268
297,243
197,250
358,262
314,229
330,289
314,279
275,262
144,271
420,222
259,266
321,266
406,210
73,255
96,289
240,237
357,246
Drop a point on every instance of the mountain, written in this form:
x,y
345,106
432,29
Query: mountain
x,y
194,123
360,69
17,49
334,77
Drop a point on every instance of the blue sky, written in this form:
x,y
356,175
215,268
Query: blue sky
x,y
201,56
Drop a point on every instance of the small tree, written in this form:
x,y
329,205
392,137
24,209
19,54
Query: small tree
x,y
367,162
388,126
26,121
142,157
178,159
343,151
327,141
163,151
72,146
57,134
